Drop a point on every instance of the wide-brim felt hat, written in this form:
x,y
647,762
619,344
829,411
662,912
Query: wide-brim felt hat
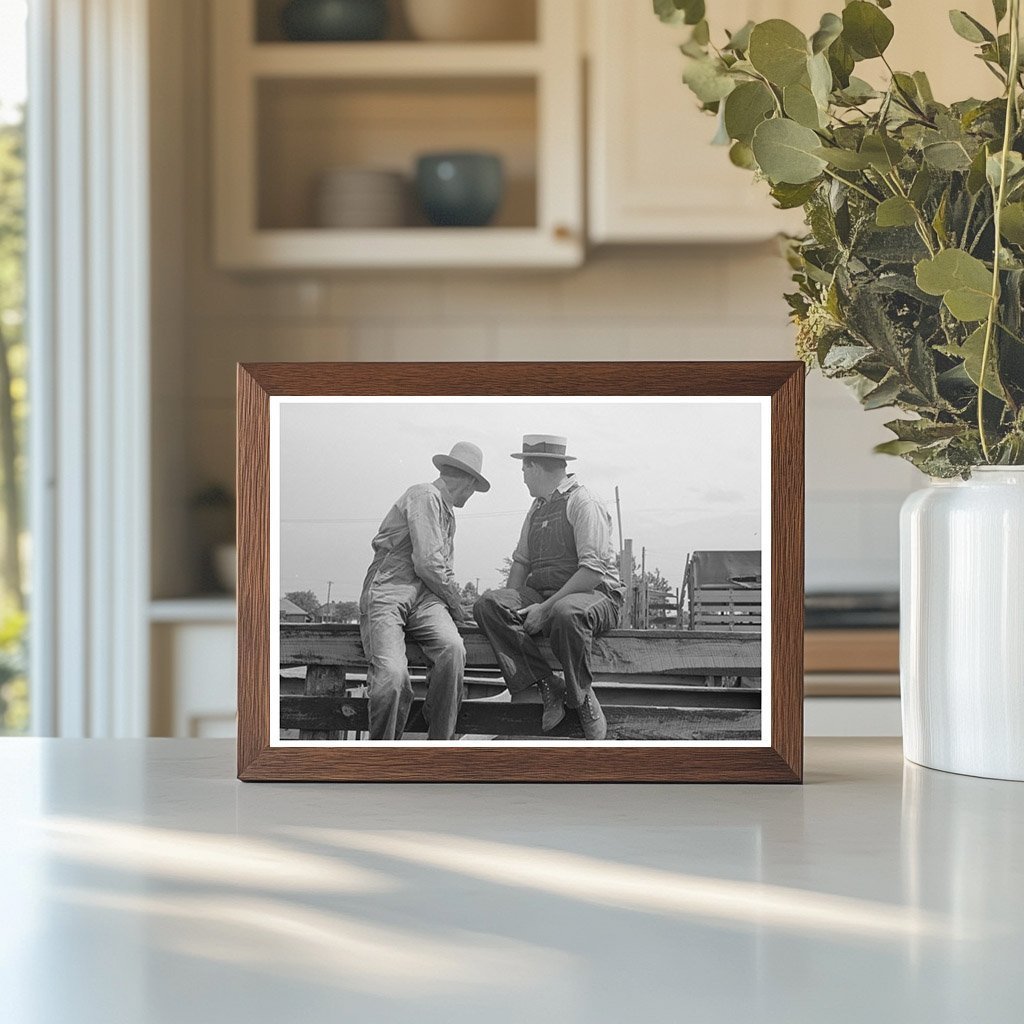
x,y
544,446
469,458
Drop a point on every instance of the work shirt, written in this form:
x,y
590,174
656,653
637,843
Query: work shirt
x,y
592,531
416,544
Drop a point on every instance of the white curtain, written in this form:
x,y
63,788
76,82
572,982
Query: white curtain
x,y
88,320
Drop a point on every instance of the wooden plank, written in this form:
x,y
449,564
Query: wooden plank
x,y
621,653
852,650
323,681
851,684
486,718
649,691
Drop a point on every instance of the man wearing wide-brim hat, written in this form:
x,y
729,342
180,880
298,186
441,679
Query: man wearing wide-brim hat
x,y
564,584
410,592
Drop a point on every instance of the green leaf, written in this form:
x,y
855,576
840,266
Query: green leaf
x,y
947,156
921,186
963,281
939,220
968,28
820,75
896,212
923,431
830,29
708,81
676,12
785,152
858,91
745,108
1011,226
883,153
866,29
895,447
924,88
789,197
778,50
885,394
739,41
800,105
971,352
742,155
994,167
841,60
844,159
976,175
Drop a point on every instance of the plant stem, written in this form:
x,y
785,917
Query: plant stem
x,y
993,309
922,225
855,187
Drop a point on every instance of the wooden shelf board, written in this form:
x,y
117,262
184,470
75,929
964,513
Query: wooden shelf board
x,y
402,247
392,60
852,650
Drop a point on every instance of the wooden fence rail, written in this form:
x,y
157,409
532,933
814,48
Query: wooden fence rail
x,y
655,684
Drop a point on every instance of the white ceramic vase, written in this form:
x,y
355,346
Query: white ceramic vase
x,y
962,624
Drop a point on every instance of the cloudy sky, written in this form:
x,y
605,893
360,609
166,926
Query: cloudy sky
x,y
688,476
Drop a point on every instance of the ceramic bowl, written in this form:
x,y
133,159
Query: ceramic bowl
x,y
334,20
360,197
470,20
460,189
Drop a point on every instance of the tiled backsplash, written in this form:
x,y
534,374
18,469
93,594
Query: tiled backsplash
x,y
700,303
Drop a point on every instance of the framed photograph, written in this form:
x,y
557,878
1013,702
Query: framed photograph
x,y
520,572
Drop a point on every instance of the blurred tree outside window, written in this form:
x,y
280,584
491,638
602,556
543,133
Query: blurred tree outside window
x,y
14,703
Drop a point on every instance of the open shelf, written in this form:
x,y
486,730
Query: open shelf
x,y
287,113
519,19
306,128
393,60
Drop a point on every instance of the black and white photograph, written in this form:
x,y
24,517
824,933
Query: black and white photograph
x,y
520,570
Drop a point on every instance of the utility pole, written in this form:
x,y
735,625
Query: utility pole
x,y
329,584
618,513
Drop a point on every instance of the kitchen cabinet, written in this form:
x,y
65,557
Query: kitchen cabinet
x,y
653,175
287,113
192,653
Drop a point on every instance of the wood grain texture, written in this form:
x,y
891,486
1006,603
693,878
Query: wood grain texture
x,y
252,487
787,572
488,718
852,650
779,762
621,653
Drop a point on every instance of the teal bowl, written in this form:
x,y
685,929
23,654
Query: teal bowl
x,y
461,190
333,21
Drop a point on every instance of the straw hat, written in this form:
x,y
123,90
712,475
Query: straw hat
x,y
467,457
543,446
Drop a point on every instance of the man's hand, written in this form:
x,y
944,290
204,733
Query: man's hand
x,y
535,617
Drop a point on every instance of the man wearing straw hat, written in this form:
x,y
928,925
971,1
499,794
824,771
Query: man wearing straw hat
x,y
564,584
410,592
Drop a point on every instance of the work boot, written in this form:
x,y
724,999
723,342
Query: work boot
x,y
595,725
552,692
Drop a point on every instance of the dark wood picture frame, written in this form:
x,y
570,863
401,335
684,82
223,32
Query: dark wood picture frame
x,y
780,761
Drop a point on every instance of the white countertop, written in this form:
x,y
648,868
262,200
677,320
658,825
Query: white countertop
x,y
143,884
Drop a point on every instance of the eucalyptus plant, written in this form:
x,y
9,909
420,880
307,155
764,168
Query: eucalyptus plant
x,y
910,278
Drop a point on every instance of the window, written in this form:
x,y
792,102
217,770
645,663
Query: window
x,y
14,550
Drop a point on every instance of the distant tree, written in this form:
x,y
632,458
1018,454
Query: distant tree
x,y
341,611
504,570
13,359
306,600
